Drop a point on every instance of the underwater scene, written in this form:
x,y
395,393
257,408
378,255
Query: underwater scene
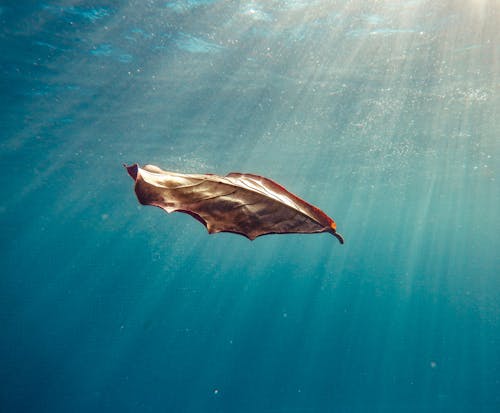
x,y
383,114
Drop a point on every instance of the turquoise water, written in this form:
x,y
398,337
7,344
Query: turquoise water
x,y
384,114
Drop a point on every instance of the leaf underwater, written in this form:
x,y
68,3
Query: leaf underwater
x,y
245,204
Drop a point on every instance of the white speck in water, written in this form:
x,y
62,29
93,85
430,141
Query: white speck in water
x,y
216,391
433,364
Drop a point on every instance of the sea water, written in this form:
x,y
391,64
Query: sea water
x,y
384,114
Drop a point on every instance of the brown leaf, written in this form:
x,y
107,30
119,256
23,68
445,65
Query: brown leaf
x,y
246,204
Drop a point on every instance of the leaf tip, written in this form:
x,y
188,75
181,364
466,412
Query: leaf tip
x,y
338,236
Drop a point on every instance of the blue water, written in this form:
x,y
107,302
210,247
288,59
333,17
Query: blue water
x,y
384,114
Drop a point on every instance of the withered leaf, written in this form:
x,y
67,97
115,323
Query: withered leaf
x,y
245,204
